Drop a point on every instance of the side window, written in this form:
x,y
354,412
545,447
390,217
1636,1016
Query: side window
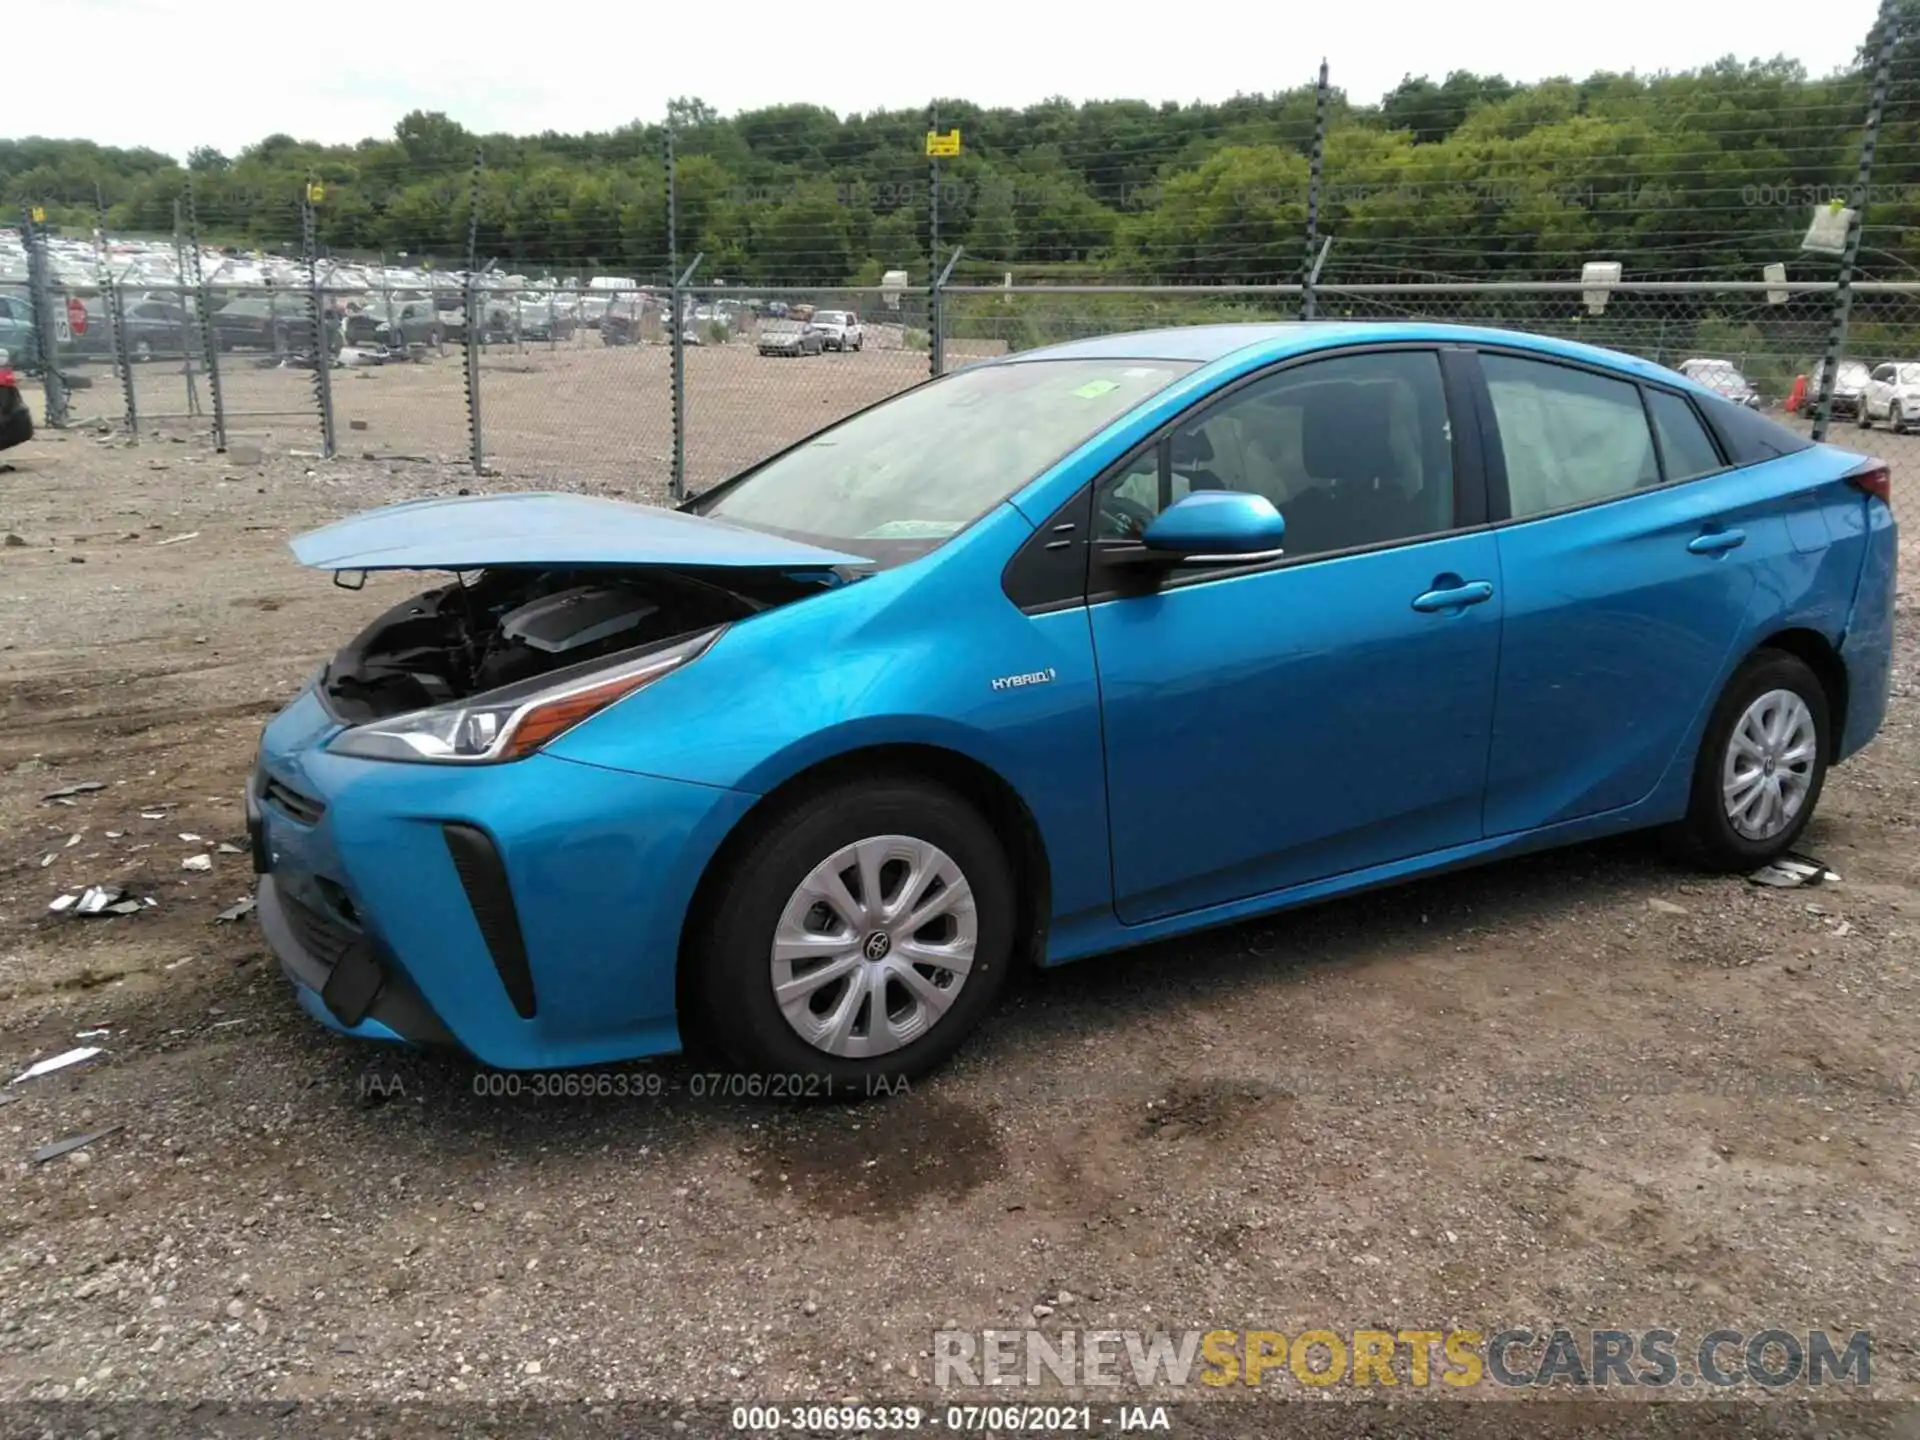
x,y
1684,443
1569,436
1884,374
1352,451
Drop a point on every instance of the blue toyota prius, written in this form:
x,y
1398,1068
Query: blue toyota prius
x,y
1060,653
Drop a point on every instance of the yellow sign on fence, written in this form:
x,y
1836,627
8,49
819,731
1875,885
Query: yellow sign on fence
x,y
40,214
316,192
947,144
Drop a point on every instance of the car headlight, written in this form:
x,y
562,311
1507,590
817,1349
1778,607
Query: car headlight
x,y
514,721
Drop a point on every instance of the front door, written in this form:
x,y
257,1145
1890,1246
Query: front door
x,y
1317,715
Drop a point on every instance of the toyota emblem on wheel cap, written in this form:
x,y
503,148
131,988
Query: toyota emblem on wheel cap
x,y
878,943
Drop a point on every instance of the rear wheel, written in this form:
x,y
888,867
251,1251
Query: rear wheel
x,y
860,936
1762,764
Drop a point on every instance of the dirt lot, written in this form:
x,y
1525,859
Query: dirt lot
x,y
1582,1089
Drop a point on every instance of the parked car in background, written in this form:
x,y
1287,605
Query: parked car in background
x,y
622,322
1849,386
987,675
281,322
839,329
592,308
399,323
1723,378
16,420
19,334
155,330
790,337
543,319
1893,395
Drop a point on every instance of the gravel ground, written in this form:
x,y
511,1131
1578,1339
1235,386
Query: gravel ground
x,y
1582,1089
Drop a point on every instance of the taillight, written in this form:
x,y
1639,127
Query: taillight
x,y
1876,479
8,379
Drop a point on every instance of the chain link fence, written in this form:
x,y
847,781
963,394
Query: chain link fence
x,y
561,383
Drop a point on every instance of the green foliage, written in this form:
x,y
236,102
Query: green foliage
x,y
1704,174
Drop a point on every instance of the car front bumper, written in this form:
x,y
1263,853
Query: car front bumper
x,y
527,913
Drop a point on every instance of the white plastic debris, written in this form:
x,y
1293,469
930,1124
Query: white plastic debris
x,y
64,902
189,837
56,1062
97,898
177,539
197,862
93,1034
1793,871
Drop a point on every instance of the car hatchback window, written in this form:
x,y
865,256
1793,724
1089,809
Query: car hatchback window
x,y
1569,437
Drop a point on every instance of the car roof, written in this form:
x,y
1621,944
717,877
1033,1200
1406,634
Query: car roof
x,y
1262,343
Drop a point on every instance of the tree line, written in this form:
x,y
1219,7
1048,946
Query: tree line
x,y
1705,174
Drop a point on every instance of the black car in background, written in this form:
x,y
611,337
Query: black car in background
x,y
156,330
16,420
280,322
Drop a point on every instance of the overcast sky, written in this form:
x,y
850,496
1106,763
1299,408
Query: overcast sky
x,y
173,74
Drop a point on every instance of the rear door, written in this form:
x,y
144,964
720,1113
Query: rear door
x,y
1628,563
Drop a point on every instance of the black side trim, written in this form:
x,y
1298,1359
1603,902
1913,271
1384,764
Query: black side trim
x,y
1049,572
483,875
1460,381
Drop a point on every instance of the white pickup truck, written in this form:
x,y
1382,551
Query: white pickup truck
x,y
839,329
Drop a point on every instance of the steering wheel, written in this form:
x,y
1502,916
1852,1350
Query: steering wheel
x,y
1124,519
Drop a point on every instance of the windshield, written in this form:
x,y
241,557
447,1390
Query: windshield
x,y
1910,374
924,465
829,317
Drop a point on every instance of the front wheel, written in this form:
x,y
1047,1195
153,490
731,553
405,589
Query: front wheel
x,y
1762,763
862,933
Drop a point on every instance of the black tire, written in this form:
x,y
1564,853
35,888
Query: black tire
x,y
729,950
1863,421
1706,836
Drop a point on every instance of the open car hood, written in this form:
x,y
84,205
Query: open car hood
x,y
472,532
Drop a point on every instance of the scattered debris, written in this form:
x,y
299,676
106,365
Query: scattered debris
x,y
84,787
237,911
189,838
56,1062
93,1034
71,1144
98,897
227,847
1791,872
197,862
177,539
63,902
13,540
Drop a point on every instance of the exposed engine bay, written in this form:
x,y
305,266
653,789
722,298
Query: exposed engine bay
x,y
514,623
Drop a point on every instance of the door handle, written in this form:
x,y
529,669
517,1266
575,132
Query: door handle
x,y
1716,541
1457,597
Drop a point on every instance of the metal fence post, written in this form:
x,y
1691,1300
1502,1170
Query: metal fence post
x,y
1316,158
1889,23
318,317
937,318
936,342
677,375
45,325
476,448
116,308
203,312
677,351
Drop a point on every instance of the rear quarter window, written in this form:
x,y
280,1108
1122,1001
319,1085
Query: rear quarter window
x,y
1747,436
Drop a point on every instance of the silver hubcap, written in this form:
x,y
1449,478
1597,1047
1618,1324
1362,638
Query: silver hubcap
x,y
874,946
1769,765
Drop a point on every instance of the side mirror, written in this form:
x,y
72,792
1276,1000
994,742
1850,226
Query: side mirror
x,y
1214,527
